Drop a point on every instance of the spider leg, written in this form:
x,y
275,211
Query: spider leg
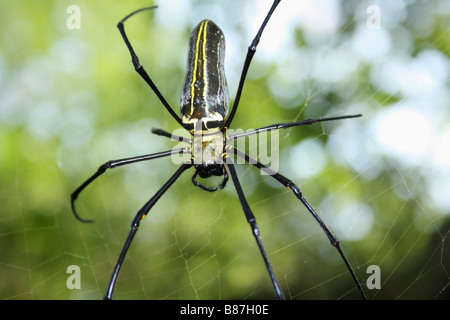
x,y
298,193
141,214
140,69
117,163
248,59
255,229
161,132
288,125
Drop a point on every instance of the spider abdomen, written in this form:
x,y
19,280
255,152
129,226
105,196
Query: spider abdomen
x,y
205,95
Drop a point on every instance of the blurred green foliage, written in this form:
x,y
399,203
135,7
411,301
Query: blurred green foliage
x,y
70,100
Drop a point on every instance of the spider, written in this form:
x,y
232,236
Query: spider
x,y
204,113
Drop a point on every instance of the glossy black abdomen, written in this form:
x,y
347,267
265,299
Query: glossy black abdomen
x,y
205,95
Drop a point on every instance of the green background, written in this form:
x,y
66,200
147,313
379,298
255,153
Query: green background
x,y
70,101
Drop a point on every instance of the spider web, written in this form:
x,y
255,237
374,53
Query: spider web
x,y
74,101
